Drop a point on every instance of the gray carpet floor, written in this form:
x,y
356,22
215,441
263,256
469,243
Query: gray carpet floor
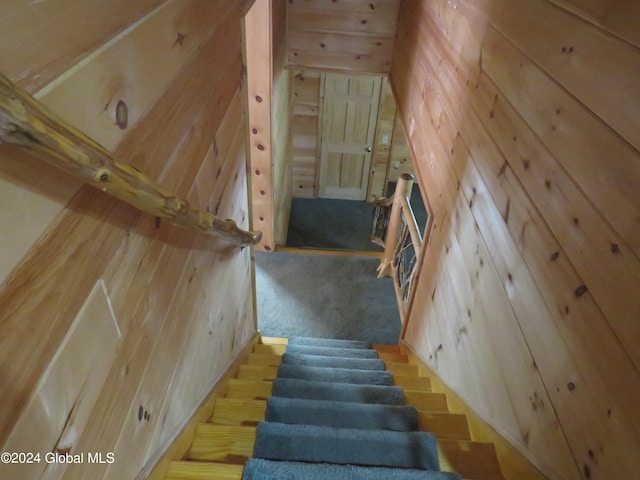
x,y
326,296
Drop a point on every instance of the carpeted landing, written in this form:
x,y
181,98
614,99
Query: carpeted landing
x,y
334,414
325,296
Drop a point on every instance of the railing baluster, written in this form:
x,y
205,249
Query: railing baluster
x,y
403,189
402,245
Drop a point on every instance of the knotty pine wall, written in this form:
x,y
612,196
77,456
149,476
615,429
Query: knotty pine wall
x,y
345,36
349,36
305,134
281,122
523,117
381,149
114,326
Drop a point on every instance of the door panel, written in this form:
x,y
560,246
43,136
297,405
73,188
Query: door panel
x,y
350,112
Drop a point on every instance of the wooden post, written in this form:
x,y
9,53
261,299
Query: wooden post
x,y
403,189
27,123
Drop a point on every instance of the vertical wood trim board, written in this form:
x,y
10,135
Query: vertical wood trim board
x,y
525,304
259,58
281,124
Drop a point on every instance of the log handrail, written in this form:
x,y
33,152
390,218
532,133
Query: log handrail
x,y
27,123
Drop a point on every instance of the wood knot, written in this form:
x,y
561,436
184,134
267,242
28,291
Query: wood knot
x,y
615,248
180,39
258,99
581,290
122,114
571,386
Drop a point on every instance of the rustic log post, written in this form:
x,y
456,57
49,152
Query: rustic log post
x,y
403,189
27,123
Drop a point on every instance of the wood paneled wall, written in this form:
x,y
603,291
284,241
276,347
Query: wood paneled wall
x,y
281,122
400,159
304,134
522,118
114,325
347,36
382,143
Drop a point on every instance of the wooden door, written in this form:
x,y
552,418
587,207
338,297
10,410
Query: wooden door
x,y
349,114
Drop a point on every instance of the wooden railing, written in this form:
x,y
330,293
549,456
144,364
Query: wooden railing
x,y
402,241
27,123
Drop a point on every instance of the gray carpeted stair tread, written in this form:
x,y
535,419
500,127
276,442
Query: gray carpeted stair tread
x,y
333,351
341,392
260,469
313,443
337,375
342,414
328,342
332,362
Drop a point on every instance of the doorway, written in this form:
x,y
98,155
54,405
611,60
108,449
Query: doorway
x,y
349,117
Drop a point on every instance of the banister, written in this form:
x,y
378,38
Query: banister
x,y
27,123
410,218
403,189
402,245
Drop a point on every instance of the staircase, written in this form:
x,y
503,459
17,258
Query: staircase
x,y
314,398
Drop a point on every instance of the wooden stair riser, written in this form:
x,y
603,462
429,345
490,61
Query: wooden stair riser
x,y
396,368
472,460
234,411
249,389
269,372
222,443
261,390
204,471
243,412
444,425
279,349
